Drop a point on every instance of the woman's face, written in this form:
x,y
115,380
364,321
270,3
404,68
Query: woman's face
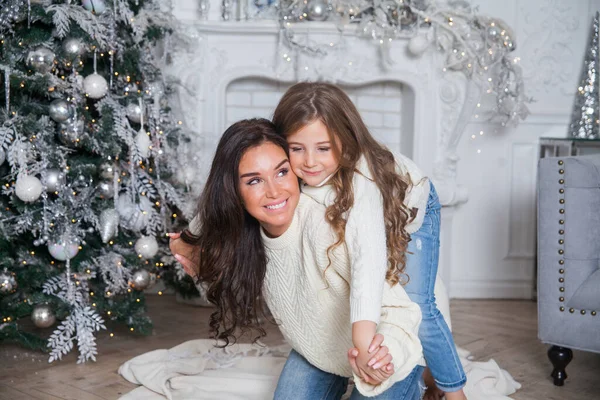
x,y
268,187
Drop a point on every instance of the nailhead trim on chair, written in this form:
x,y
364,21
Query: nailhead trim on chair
x,y
561,271
561,232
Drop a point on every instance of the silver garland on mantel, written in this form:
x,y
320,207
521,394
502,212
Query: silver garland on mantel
x,y
476,45
585,118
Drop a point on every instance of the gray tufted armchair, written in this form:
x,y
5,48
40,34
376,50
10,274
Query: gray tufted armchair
x,y
568,258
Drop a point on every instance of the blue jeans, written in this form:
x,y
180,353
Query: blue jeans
x,y
421,266
300,380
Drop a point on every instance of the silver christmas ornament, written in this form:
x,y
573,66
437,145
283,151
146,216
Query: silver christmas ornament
x,y
146,246
60,110
106,170
105,190
28,188
95,86
95,6
53,180
109,224
317,10
8,283
2,156
141,279
63,249
71,131
74,47
493,32
134,112
41,59
43,316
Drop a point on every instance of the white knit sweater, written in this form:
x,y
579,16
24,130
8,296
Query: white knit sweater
x,y
365,232
309,298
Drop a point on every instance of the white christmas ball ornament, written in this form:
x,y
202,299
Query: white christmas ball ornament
x,y
95,86
63,249
95,6
417,45
28,188
146,246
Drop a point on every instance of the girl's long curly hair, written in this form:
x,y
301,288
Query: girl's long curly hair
x,y
232,259
307,102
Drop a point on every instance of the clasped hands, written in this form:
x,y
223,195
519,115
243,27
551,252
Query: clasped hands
x,y
372,365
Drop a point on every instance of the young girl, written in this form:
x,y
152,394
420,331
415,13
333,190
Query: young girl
x,y
388,200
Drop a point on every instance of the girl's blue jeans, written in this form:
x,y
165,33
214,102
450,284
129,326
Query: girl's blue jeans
x,y
421,266
300,380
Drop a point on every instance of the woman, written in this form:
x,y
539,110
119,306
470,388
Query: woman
x,y
260,235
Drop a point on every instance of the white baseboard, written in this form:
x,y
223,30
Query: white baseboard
x,y
491,289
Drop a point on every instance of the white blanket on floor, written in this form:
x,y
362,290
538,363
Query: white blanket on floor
x,y
196,370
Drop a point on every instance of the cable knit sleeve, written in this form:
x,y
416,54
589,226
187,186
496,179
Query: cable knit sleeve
x,y
367,250
400,319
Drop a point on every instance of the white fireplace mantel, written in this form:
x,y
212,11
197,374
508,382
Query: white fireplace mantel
x,y
439,107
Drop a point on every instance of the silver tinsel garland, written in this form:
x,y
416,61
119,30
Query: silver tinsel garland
x,y
476,45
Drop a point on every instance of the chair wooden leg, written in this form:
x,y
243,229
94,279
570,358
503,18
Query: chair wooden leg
x,y
560,358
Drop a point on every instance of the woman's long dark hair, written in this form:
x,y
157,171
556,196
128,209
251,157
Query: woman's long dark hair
x,y
232,258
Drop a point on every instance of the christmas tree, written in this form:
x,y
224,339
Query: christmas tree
x,y
87,151
585,118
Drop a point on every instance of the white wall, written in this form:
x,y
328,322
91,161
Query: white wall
x,y
494,240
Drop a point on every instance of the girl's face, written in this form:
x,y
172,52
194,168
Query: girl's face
x,y
311,153
268,187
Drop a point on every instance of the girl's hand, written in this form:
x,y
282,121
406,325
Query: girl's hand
x,y
368,374
378,367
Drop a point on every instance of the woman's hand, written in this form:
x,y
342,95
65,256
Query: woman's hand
x,y
374,367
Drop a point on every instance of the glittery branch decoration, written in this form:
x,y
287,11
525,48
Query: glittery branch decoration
x,y
585,117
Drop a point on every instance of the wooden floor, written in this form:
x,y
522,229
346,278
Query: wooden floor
x,y
499,329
